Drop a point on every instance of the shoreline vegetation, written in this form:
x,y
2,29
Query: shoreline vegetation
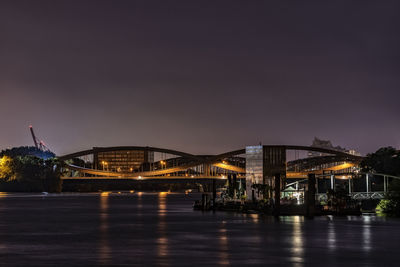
x,y
386,160
28,169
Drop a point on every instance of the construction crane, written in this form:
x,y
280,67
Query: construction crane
x,y
39,144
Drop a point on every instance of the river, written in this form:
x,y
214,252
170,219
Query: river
x,y
162,229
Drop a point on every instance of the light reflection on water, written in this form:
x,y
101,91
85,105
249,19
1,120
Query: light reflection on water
x,y
254,217
297,241
367,233
162,240
331,239
151,229
223,242
104,247
139,205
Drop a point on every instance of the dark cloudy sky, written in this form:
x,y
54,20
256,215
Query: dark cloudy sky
x,y
199,76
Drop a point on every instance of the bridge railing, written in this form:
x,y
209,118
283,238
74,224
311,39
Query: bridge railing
x,y
355,195
368,195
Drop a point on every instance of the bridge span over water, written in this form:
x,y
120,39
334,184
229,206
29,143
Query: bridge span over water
x,y
152,163
182,164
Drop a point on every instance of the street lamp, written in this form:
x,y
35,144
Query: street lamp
x,y
163,163
104,163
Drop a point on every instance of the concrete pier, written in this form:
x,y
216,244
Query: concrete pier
x,y
310,198
277,194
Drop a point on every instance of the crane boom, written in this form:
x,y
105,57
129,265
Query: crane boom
x,y
39,144
34,137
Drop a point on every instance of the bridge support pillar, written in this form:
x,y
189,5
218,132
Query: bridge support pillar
x,y
384,184
234,181
333,182
204,201
277,194
349,186
310,198
214,188
367,182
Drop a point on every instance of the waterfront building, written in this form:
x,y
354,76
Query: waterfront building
x,y
123,160
268,164
262,164
254,169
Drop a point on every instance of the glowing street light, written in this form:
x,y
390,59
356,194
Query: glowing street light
x,y
163,163
104,163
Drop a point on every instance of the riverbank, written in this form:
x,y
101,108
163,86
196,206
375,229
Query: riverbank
x,y
260,207
284,210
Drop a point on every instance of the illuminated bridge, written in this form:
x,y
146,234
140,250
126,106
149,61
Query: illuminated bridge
x,y
135,162
256,163
140,163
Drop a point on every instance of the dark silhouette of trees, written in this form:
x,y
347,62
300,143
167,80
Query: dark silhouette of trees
x,y
22,170
385,160
27,151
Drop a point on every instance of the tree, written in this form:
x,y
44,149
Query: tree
x,y
21,170
385,160
27,151
390,205
6,170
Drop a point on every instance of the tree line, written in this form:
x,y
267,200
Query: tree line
x,y
386,160
28,169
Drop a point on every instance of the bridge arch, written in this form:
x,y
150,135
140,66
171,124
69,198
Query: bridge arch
x,y
188,160
215,161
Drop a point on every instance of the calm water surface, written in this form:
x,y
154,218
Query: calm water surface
x,y
162,229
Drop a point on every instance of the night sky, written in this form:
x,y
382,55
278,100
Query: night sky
x,y
199,76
